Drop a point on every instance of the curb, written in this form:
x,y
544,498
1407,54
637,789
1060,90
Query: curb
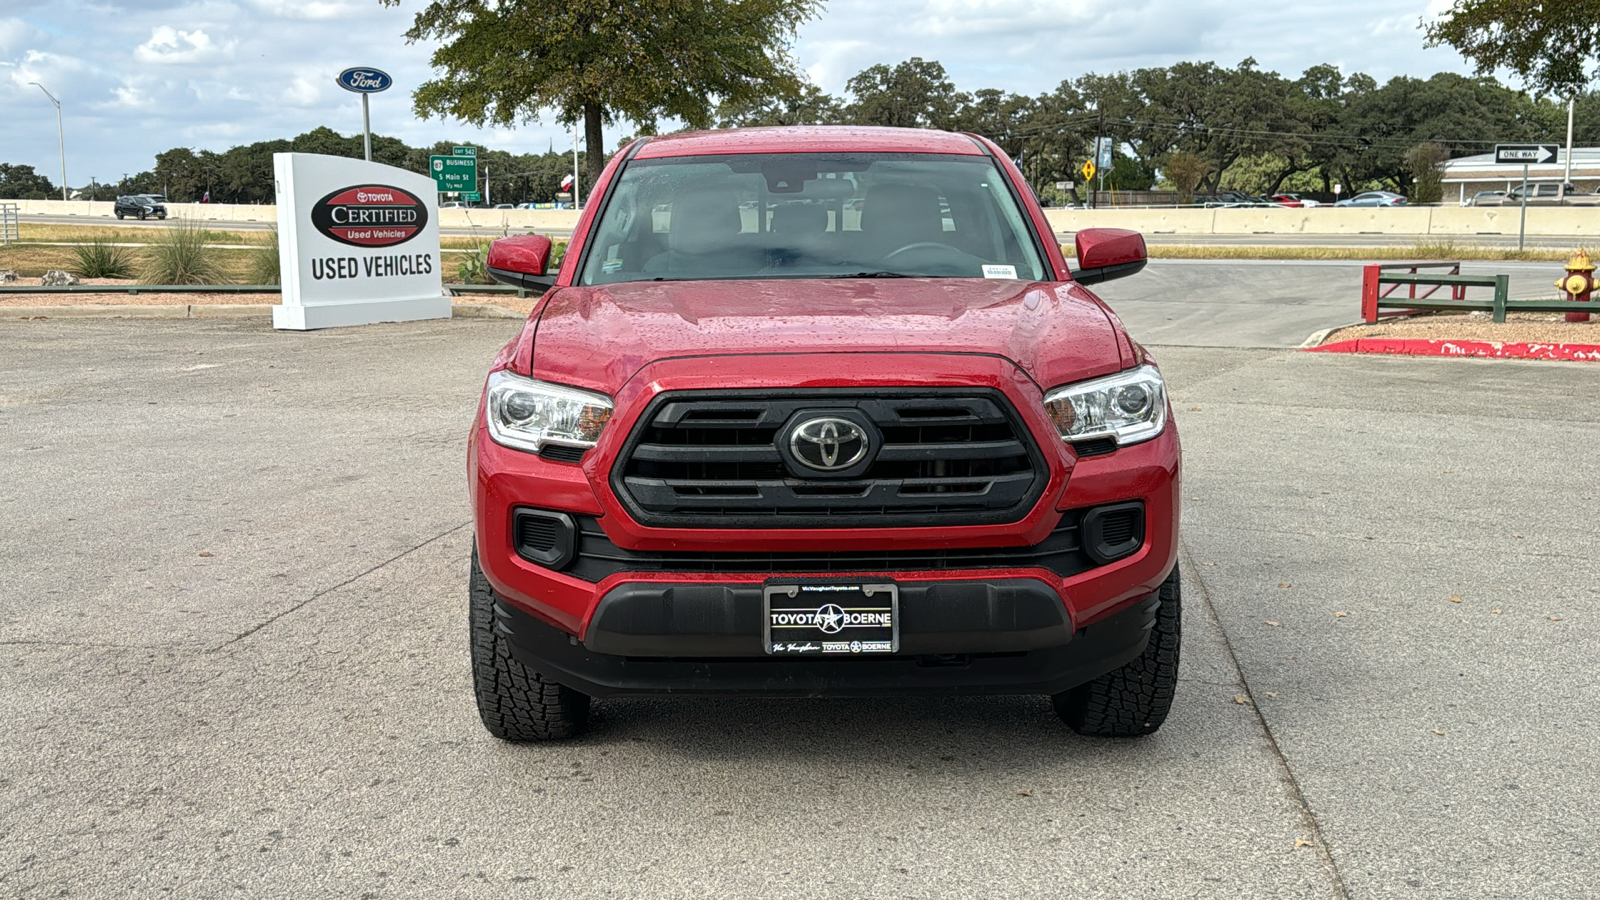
x,y
1483,349
209,311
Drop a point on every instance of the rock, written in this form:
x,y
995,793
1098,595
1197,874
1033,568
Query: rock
x,y
58,278
9,276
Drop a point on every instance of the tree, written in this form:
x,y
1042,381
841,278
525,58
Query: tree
x,y
1426,163
810,105
913,94
22,183
1186,171
504,61
1549,45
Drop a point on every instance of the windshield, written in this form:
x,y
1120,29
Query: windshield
x,y
811,215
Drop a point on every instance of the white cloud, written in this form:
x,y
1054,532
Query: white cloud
x,y
171,47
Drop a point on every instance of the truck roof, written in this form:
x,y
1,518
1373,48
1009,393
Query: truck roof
x,y
809,139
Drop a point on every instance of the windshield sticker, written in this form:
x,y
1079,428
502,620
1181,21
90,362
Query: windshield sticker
x,y
1000,272
611,265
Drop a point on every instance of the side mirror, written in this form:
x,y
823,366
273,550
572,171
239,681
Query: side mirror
x,y
1108,253
521,261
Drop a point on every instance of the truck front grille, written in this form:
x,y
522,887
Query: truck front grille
x,y
721,460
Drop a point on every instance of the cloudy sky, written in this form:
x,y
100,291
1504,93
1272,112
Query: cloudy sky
x,y
136,77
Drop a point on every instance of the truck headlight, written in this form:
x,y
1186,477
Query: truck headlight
x,y
1130,406
527,414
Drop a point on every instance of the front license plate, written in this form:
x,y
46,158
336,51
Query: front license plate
x,y
831,619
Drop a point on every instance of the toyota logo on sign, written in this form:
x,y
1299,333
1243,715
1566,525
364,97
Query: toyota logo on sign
x,y
828,444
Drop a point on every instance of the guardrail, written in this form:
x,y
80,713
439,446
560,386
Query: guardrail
x,y
136,289
1375,298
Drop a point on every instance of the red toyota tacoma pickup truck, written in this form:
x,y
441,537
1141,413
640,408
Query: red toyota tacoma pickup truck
x,y
821,411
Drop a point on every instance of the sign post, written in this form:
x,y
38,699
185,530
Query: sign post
x,y
1526,155
365,80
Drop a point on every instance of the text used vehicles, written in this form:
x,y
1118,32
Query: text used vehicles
x,y
818,411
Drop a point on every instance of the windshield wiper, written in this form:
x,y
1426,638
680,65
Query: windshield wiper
x,y
883,274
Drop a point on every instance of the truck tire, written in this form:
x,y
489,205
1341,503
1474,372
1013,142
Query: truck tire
x,y
1134,699
515,702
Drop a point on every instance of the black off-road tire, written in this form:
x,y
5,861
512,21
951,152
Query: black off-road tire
x,y
515,702
1133,700
119,217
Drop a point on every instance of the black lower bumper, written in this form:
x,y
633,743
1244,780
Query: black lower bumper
x,y
995,637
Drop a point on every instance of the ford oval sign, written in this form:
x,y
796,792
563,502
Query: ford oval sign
x,y
365,80
370,215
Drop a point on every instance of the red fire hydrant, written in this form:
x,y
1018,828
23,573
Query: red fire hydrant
x,y
1578,283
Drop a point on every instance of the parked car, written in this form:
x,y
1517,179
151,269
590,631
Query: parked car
x,y
143,206
454,204
1294,201
1545,194
1484,198
777,460
1374,198
505,206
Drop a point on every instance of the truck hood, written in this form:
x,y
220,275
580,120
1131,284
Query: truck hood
x,y
599,337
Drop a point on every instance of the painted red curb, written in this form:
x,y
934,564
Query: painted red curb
x,y
1490,349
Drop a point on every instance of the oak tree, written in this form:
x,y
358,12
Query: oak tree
x,y
1549,45
501,62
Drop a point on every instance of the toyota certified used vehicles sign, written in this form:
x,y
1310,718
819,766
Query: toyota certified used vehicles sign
x,y
371,215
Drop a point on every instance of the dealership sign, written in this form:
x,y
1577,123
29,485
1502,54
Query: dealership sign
x,y
358,243
365,80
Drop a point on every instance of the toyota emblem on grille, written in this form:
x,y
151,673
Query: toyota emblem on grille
x,y
828,444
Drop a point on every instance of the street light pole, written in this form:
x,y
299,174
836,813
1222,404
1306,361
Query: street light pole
x,y
61,135
1567,178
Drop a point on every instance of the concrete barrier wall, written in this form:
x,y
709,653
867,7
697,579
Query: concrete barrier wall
x,y
492,221
1420,221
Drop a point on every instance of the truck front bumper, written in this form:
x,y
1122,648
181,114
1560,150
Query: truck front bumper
x,y
999,637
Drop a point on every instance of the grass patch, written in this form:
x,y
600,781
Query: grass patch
x,y
1431,250
264,266
33,261
179,255
121,235
101,258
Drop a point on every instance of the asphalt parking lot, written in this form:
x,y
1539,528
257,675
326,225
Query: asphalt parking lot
x,y
233,652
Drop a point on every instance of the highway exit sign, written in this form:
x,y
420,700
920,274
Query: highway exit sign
x,y
454,173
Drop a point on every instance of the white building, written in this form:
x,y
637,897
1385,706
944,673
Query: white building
x,y
1467,175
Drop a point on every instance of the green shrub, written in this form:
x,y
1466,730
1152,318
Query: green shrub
x,y
102,259
180,256
264,267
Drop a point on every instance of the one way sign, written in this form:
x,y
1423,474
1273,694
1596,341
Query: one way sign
x,y
1524,154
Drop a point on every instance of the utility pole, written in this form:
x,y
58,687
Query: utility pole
x,y
61,135
1567,178
1099,132
575,202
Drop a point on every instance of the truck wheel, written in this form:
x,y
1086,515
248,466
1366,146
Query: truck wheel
x,y
119,216
515,703
1134,699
